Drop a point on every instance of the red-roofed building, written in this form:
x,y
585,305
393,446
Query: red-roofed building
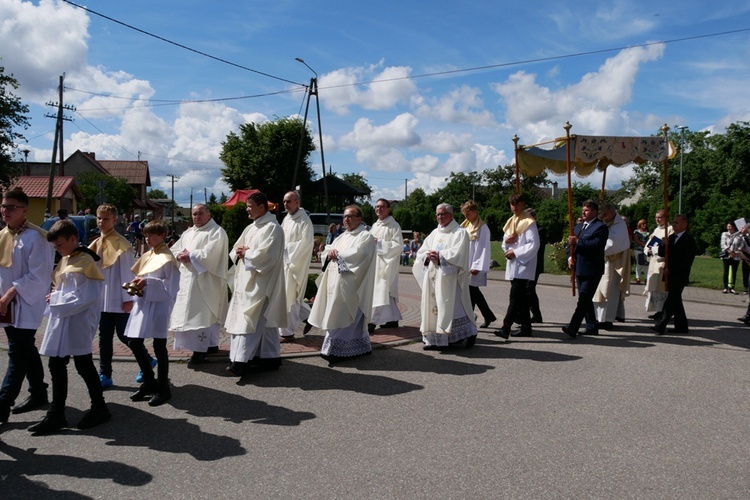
x,y
65,194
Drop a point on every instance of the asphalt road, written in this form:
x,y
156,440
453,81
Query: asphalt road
x,y
623,415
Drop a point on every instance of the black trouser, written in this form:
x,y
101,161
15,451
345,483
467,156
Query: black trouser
x,y
673,307
23,362
144,360
58,370
109,323
518,307
585,306
533,299
477,299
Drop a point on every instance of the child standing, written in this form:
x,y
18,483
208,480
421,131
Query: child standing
x,y
73,317
116,260
158,279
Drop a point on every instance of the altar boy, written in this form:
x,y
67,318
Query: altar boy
x,y
74,308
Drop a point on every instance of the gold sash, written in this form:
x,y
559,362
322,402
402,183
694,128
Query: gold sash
x,y
518,224
77,262
154,259
473,229
7,241
110,246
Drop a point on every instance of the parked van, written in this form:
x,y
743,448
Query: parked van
x,y
320,227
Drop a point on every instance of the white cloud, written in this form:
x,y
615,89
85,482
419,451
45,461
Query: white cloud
x,y
593,105
389,87
399,133
461,105
41,42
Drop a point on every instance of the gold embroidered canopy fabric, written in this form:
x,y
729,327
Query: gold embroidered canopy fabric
x,y
589,152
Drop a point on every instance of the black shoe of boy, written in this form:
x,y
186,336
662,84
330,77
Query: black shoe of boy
x,y
93,417
161,397
144,392
29,404
49,424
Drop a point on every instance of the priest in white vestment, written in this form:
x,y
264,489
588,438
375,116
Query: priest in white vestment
x,y
442,270
388,240
300,239
655,289
258,306
201,305
609,299
343,304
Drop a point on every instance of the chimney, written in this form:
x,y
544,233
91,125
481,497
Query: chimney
x,y
554,190
91,155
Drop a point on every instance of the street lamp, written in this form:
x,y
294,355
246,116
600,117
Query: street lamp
x,y
682,146
314,91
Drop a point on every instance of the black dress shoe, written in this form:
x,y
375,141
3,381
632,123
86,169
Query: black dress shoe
x,y
503,332
590,332
370,327
198,358
307,328
470,341
4,413
744,319
93,417
29,404
537,319
656,330
161,397
620,320
521,333
236,368
390,324
145,391
213,349
566,330
606,325
487,323
49,424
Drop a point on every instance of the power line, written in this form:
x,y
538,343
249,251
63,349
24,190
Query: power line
x,y
204,54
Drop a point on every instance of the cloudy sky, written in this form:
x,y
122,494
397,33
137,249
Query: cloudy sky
x,y
409,91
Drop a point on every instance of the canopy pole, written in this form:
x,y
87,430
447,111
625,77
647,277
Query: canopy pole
x,y
515,149
567,128
664,130
601,192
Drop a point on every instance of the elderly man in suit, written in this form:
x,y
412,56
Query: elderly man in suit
x,y
680,253
589,240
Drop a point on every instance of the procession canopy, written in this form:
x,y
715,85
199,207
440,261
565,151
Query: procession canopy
x,y
591,152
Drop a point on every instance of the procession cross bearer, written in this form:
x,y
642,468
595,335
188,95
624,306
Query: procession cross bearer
x,y
387,234
201,304
442,270
258,306
300,239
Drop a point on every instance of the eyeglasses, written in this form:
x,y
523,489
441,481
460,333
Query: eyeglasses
x,y
11,207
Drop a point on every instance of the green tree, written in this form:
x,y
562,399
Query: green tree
x,y
234,221
212,199
359,182
264,156
157,194
12,117
116,191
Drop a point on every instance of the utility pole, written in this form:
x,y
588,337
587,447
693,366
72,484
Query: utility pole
x,y
174,177
313,91
205,199
60,117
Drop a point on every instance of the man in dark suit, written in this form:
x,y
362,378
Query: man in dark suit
x,y
681,253
588,262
